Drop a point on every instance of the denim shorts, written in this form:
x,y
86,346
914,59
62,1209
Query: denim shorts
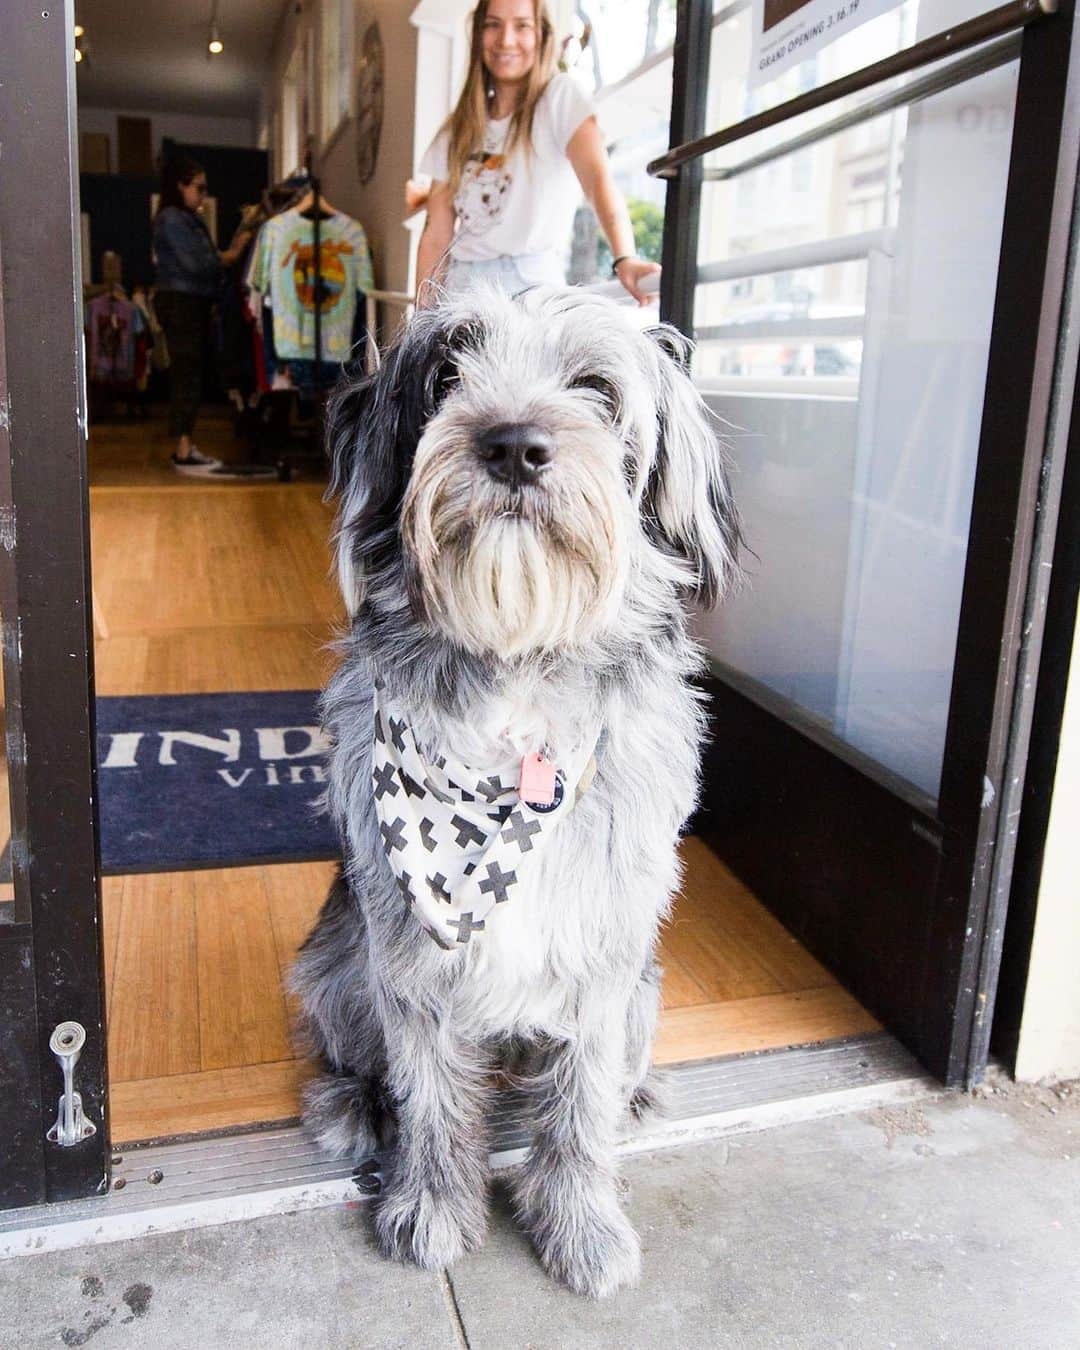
x,y
511,274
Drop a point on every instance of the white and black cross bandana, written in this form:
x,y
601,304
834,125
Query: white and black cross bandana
x,y
459,839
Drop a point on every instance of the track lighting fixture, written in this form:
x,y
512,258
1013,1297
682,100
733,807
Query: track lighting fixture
x,y
214,44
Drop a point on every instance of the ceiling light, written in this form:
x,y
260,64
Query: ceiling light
x,y
78,55
214,44
79,30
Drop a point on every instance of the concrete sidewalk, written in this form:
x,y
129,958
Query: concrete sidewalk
x,y
950,1222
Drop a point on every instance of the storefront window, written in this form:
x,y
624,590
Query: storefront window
x,y
845,186
843,326
335,64
622,35
626,64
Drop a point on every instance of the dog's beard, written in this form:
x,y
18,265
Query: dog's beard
x,y
509,570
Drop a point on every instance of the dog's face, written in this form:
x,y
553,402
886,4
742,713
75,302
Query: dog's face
x,y
519,467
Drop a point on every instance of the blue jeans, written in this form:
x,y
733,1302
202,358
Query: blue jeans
x,y
511,274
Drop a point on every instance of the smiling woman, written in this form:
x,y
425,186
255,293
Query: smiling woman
x,y
509,165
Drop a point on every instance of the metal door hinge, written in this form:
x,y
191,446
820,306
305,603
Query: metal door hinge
x,y
72,1126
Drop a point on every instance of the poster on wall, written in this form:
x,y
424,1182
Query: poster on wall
x,y
788,31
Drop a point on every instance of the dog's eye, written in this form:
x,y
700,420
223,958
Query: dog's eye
x,y
605,391
445,377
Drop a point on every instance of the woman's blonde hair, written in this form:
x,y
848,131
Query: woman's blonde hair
x,y
467,122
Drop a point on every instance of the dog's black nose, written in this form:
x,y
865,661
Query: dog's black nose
x,y
516,452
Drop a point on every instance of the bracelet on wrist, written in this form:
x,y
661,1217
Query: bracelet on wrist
x,y
623,257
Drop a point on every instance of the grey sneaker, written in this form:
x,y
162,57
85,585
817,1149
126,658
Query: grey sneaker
x,y
196,462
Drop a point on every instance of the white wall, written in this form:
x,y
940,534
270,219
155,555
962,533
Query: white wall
x,y
380,204
233,131
1050,1025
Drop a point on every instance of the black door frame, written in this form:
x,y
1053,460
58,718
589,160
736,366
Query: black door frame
x,y
51,955
904,897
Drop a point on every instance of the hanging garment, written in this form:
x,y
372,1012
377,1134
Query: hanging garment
x,y
460,840
144,341
283,271
114,326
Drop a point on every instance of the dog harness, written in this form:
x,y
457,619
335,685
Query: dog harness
x,y
459,840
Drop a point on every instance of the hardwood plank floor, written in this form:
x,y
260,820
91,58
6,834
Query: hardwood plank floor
x,y
242,1018
765,1023
154,1014
201,587
189,1103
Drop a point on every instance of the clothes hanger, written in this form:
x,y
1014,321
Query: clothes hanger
x,y
307,206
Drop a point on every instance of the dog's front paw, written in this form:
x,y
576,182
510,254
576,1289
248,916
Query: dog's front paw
x,y
591,1247
650,1098
415,1224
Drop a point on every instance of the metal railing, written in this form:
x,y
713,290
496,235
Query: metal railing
x,y
1005,19
371,300
820,253
967,68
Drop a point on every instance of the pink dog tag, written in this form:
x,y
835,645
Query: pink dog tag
x,y
537,781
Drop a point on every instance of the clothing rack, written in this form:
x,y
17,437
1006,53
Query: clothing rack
x,y
281,402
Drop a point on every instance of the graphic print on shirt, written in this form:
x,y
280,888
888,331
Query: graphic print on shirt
x,y
485,182
302,258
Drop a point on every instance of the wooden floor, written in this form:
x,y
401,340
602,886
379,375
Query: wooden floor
x,y
202,587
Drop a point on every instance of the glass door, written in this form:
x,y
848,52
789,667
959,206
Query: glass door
x,y
872,292
54,1136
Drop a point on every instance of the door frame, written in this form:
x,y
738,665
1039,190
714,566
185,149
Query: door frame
x,y
929,968
51,955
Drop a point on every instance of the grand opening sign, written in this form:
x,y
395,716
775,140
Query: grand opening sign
x,y
788,31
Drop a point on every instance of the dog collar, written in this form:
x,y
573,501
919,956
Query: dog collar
x,y
460,840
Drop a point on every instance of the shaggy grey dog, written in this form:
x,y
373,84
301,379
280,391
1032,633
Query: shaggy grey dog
x,y
530,496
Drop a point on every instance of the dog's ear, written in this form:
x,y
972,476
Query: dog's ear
x,y
369,469
347,416
687,506
373,426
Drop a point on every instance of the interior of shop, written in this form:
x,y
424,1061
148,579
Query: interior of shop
x,y
312,118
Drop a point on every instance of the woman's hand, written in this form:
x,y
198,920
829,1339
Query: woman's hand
x,y
236,247
632,272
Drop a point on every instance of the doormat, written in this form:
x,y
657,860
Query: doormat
x,y
211,780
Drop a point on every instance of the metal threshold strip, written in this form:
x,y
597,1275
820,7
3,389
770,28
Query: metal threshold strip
x,y
198,1183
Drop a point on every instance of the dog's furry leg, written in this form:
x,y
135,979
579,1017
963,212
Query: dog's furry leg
x,y
345,1109
434,1206
566,1190
647,1095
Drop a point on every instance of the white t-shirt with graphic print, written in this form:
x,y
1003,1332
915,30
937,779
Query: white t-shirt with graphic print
x,y
522,203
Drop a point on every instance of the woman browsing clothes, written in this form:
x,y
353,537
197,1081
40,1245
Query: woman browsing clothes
x,y
509,164
188,271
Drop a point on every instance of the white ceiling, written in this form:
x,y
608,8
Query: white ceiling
x,y
151,54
